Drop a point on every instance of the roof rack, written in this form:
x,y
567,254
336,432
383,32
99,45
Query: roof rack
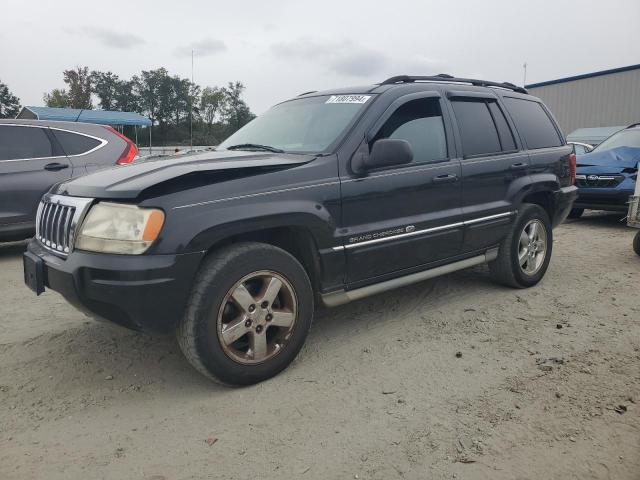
x,y
633,125
307,93
444,77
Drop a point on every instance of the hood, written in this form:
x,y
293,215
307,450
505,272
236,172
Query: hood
x,y
129,181
619,158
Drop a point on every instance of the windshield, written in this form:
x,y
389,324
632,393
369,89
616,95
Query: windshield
x,y
623,138
306,125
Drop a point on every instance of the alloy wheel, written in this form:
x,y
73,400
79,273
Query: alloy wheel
x,y
257,317
532,247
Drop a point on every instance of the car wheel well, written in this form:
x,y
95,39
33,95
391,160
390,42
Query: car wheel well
x,y
298,241
544,199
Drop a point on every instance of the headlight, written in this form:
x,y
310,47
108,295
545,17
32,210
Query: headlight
x,y
119,228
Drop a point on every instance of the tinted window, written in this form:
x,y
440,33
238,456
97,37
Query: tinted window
x,y
478,132
419,122
533,123
506,135
75,144
23,142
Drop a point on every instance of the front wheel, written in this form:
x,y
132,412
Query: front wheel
x,y
636,243
249,314
524,255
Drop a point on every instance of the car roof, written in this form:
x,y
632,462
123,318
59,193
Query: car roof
x,y
74,126
406,84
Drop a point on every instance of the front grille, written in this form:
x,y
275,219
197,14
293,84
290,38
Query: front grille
x,y
598,181
57,219
54,226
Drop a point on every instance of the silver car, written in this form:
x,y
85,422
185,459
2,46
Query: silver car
x,y
35,155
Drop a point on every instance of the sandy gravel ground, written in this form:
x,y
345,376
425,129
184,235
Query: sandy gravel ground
x,y
546,384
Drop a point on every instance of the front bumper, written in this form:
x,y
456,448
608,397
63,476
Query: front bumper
x,y
609,199
142,292
563,200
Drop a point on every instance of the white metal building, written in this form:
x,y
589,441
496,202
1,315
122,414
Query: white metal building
x,y
599,99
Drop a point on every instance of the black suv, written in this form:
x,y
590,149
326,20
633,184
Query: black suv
x,y
326,198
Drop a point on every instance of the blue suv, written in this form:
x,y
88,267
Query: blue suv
x,y
606,177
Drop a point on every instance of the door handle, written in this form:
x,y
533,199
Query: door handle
x,y
55,166
519,166
445,179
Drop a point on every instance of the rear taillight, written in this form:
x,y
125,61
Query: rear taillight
x,y
572,168
130,152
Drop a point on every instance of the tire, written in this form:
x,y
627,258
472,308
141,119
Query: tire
x,y
576,213
262,351
507,269
636,243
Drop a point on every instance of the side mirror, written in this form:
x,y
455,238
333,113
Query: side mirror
x,y
387,152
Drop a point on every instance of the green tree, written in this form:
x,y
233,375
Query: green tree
x,y
79,82
105,86
150,88
235,111
9,103
211,103
57,98
125,97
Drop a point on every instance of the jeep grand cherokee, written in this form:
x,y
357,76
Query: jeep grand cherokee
x,y
326,198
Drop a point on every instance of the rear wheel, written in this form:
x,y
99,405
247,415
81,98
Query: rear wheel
x,y
636,243
248,315
525,253
576,212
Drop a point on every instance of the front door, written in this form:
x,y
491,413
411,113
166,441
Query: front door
x,y
29,165
402,218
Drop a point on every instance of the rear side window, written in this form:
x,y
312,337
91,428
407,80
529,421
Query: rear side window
x,y
419,122
477,129
533,123
19,143
74,143
506,135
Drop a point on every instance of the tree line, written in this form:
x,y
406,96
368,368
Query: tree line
x,y
170,101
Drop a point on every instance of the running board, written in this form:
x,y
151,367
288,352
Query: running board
x,y
341,297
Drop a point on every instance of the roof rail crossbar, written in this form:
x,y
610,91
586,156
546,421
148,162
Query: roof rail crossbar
x,y
448,78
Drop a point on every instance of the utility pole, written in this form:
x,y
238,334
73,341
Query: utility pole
x,y
191,104
524,80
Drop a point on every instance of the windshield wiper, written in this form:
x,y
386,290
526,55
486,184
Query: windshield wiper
x,y
255,146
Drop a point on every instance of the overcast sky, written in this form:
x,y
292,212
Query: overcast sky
x,y
279,49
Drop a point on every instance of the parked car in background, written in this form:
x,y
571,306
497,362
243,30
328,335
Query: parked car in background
x,y
327,197
581,148
606,177
593,135
35,155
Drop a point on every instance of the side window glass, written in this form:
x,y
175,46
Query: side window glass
x,y
420,123
18,143
505,133
73,143
533,123
477,129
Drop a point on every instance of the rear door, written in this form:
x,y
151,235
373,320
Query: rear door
x,y
403,217
30,163
492,164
